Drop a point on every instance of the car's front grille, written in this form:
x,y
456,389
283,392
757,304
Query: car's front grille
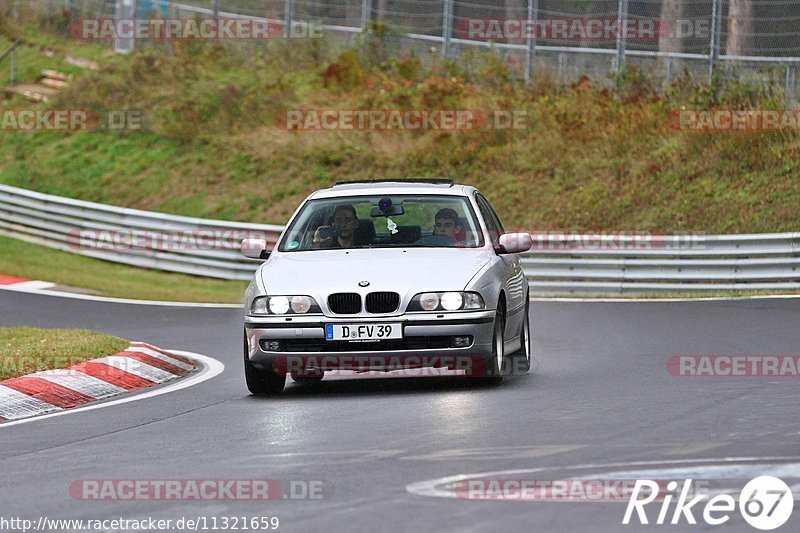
x,y
345,303
382,302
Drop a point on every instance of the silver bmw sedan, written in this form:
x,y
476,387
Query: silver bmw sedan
x,y
387,275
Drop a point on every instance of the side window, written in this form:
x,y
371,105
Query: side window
x,y
492,224
494,215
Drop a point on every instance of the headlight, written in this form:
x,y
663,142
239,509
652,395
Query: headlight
x,y
446,301
473,300
429,301
452,301
301,304
259,306
278,305
284,305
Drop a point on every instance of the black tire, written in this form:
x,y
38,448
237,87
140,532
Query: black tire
x,y
496,362
262,382
521,359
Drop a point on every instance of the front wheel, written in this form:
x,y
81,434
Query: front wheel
x,y
522,358
262,381
495,363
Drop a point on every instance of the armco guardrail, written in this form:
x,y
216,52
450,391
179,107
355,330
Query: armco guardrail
x,y
558,264
131,236
581,264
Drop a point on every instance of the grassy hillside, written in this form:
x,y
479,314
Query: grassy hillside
x,y
589,160
25,350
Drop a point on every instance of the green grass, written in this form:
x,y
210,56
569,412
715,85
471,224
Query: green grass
x,y
589,160
25,350
18,258
32,59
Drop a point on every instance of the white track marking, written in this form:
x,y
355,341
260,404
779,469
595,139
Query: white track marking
x,y
33,285
83,383
75,296
159,355
208,369
431,487
137,368
14,404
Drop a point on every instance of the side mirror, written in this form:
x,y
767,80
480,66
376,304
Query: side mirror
x,y
514,243
254,248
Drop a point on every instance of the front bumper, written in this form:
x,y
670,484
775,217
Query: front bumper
x,y
427,342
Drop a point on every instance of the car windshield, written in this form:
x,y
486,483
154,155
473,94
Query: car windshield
x,y
437,221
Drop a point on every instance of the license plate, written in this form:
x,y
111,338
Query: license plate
x,y
363,332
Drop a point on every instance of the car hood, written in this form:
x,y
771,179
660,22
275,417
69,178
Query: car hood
x,y
404,270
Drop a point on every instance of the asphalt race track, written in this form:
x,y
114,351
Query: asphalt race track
x,y
601,401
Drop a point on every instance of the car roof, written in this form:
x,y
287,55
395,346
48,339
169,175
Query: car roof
x,y
390,187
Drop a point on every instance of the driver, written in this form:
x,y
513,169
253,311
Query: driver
x,y
446,223
445,227
343,232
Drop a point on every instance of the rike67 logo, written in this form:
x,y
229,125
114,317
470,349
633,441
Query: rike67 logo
x,y
765,503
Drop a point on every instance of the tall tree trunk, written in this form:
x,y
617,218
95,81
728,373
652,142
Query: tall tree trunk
x,y
740,26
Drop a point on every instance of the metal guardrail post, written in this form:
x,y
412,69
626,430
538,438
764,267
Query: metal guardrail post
x,y
670,68
716,36
365,14
288,15
530,56
12,53
124,9
215,8
447,27
790,84
622,15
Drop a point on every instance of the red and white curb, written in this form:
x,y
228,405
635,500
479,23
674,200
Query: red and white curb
x,y
138,367
22,283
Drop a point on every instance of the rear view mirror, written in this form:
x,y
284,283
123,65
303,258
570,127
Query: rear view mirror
x,y
389,211
514,243
254,248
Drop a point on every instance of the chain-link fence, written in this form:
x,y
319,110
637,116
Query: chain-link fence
x,y
747,39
